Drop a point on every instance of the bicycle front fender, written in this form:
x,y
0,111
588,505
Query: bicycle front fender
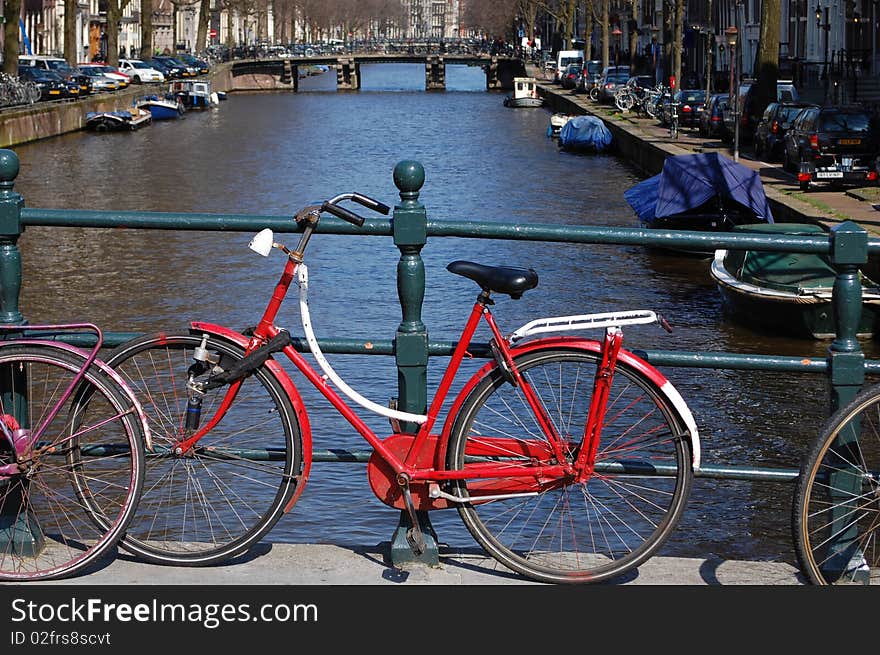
x,y
579,343
275,368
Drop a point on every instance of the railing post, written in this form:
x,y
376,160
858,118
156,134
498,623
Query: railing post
x,y
19,529
409,227
849,250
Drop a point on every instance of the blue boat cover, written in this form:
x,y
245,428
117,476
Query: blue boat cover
x,y
689,181
585,133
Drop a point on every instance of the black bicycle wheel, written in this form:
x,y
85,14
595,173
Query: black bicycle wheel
x,y
573,532
836,511
78,487
218,500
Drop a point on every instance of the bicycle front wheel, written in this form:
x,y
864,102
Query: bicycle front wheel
x,y
567,531
77,487
221,498
836,508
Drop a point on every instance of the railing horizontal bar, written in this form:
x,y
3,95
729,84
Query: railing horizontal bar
x,y
723,360
464,229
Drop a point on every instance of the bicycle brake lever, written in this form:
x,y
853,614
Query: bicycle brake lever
x,y
307,214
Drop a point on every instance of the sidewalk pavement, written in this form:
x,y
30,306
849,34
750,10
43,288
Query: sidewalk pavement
x,y
312,564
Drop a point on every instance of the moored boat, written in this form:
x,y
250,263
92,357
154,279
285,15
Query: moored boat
x,y
525,93
557,121
112,121
701,192
783,292
585,134
162,109
193,94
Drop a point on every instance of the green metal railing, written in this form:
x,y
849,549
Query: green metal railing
x,y
847,246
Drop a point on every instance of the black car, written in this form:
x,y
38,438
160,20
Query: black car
x,y
200,65
771,129
836,144
569,77
171,72
712,116
51,85
178,68
689,104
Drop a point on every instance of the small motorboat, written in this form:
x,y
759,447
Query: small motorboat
x,y
113,121
585,134
193,94
786,293
556,123
702,192
162,109
525,93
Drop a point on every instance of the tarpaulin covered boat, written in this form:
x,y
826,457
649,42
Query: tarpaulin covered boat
x,y
585,134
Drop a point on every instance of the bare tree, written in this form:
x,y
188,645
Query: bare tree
x,y
677,37
605,35
202,29
633,36
114,15
146,29
70,53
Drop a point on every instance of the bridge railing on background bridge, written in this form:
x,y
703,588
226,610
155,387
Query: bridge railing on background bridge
x,y
847,246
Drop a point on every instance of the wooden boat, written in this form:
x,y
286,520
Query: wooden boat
x,y
585,134
162,109
701,192
111,121
783,292
525,93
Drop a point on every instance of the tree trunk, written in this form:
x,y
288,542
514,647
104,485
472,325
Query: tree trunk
x,y
633,37
605,35
202,31
114,13
588,30
677,42
11,10
70,53
146,29
767,60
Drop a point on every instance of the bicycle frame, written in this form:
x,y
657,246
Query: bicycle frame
x,y
418,458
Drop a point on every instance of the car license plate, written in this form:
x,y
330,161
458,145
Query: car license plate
x,y
54,92
824,175
849,142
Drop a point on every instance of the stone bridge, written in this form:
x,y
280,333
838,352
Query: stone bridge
x,y
284,73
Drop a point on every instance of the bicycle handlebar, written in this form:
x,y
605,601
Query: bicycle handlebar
x,y
331,207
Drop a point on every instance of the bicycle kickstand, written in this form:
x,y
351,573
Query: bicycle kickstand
x,y
414,536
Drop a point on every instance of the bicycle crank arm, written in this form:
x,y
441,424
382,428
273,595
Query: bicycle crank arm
x,y
434,491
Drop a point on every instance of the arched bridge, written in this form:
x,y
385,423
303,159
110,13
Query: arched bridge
x,y
499,70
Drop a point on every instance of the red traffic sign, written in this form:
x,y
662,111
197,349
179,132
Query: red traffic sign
x,y
213,33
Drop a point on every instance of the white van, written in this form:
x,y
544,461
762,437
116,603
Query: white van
x,y
564,58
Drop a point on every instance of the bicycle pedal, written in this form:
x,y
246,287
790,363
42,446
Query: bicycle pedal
x,y
416,541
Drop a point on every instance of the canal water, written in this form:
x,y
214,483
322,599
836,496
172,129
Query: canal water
x,y
271,154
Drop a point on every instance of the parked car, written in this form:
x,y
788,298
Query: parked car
x,y
610,82
201,65
569,77
746,107
835,143
689,104
712,117
52,86
591,74
60,66
771,129
112,72
140,71
178,69
100,82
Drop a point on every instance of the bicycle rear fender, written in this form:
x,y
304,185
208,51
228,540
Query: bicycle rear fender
x,y
577,343
289,388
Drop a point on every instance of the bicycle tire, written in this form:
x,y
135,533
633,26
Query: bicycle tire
x,y
626,517
836,508
81,470
594,94
216,502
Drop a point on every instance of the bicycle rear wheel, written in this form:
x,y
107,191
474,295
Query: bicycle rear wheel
x,y
572,532
836,512
220,499
78,488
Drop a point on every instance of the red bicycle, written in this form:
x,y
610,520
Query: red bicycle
x,y
569,459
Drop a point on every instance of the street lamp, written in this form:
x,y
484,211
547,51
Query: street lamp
x,y
827,27
617,33
731,34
